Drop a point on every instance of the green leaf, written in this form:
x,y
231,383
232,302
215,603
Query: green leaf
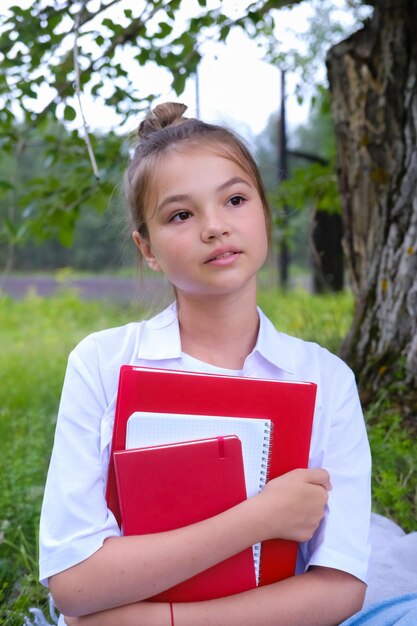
x,y
54,19
254,16
4,184
178,84
96,88
143,56
66,237
164,30
108,23
69,113
224,31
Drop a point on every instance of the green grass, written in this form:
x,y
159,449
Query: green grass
x,y
324,319
36,335
394,454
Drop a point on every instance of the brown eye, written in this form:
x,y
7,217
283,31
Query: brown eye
x,y
181,216
236,200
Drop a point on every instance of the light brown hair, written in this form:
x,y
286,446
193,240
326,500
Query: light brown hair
x,y
166,129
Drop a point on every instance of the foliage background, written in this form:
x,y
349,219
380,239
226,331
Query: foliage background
x,y
70,206
37,334
112,43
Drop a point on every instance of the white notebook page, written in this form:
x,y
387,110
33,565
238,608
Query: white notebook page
x,y
151,429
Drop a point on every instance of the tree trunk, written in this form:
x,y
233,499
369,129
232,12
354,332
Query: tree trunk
x,y
327,252
373,79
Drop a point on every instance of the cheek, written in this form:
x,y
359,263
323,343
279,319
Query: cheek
x,y
263,240
169,253
260,228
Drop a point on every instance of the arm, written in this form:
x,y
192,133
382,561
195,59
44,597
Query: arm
x,y
129,569
320,597
323,596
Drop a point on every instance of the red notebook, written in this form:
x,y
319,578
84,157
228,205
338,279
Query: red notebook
x,y
289,404
167,487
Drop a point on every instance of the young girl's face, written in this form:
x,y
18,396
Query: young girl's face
x,y
207,233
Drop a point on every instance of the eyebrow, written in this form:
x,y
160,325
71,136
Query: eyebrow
x,y
184,197
169,199
233,181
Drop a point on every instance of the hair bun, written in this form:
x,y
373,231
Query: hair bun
x,y
166,114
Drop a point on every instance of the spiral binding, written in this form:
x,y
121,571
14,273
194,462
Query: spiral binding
x,y
263,476
266,455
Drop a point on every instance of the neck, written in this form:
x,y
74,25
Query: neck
x,y
219,331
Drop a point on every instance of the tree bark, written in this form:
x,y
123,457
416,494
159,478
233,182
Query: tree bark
x,y
327,252
373,81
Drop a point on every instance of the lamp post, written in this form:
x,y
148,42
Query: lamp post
x,y
283,252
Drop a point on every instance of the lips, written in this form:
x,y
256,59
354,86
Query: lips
x,y
223,253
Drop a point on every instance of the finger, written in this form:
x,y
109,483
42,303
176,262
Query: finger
x,y
319,476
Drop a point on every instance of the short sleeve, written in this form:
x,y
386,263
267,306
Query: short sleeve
x,y
341,446
75,519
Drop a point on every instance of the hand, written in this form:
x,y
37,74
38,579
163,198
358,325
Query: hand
x,y
292,505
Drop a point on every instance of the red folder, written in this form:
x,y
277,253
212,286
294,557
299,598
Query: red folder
x,y
289,404
167,487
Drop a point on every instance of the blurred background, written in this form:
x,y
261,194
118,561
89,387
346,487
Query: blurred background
x,y
239,64
324,93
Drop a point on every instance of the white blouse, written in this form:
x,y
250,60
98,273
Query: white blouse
x,y
75,519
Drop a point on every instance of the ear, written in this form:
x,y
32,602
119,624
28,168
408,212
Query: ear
x,y
144,246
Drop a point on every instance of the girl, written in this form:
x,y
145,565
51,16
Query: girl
x,y
201,217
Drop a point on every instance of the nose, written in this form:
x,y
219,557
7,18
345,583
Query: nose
x,y
214,226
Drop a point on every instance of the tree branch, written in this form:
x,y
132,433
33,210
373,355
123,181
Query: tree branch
x,y
277,4
129,34
308,157
78,94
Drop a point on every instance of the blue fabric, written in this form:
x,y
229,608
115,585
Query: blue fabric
x,y
401,611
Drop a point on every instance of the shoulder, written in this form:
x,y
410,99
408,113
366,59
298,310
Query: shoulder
x,y
337,399
304,360
94,364
157,337
108,348
311,355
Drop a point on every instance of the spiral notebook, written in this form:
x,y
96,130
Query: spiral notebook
x,y
146,428
167,487
288,404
